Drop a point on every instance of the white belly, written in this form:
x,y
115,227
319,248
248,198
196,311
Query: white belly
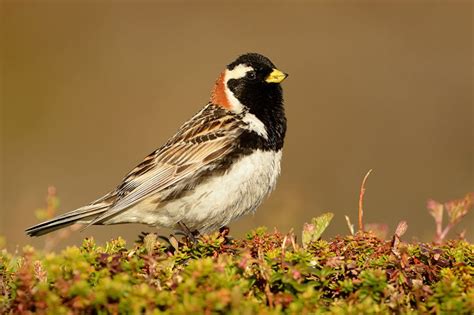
x,y
239,191
216,202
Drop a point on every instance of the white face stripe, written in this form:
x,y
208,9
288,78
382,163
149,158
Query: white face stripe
x,y
238,72
255,125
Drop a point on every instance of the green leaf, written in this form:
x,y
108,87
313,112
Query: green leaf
x,y
313,231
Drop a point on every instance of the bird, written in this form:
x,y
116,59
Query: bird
x,y
220,165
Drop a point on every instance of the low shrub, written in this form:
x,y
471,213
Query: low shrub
x,y
266,273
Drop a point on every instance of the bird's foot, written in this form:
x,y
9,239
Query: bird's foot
x,y
141,237
224,232
189,235
171,241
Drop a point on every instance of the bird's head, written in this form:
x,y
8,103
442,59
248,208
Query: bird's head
x,y
251,81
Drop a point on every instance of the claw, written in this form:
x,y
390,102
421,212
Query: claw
x,y
191,236
141,237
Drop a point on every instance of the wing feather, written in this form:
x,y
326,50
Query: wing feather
x,y
206,138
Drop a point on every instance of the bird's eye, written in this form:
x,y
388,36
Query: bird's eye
x,y
252,75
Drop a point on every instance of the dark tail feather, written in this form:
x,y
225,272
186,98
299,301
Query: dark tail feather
x,y
81,215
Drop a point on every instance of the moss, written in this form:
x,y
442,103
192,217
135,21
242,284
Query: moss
x,y
266,273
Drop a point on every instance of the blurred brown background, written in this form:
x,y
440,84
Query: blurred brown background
x,y
90,88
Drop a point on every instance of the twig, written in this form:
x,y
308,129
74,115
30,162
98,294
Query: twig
x,y
361,200
350,225
456,210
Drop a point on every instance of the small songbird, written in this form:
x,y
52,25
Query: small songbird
x,y
220,165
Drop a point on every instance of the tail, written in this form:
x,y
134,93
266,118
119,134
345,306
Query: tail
x,y
81,215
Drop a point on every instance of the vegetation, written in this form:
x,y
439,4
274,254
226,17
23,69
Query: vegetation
x,y
265,273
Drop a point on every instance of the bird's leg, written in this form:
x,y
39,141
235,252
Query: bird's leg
x,y
191,235
224,232
141,237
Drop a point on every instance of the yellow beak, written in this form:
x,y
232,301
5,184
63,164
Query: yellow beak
x,y
276,76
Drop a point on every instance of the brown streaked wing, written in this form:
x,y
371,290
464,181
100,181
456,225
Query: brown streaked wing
x,y
206,138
